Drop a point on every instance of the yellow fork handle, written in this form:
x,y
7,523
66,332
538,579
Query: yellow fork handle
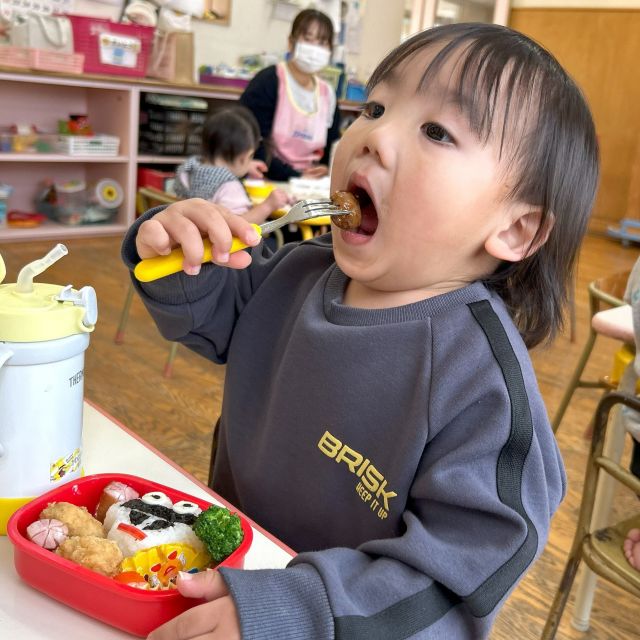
x,y
161,266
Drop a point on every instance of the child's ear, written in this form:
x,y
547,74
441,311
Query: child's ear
x,y
516,239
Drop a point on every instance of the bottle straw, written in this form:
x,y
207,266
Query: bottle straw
x,y
31,270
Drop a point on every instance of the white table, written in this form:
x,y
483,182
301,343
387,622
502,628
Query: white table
x,y
108,447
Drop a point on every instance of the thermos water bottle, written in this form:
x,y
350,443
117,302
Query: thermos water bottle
x,y
44,332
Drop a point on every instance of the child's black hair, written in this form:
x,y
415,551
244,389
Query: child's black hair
x,y
547,141
306,18
230,132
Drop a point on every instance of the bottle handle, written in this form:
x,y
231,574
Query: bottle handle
x,y
5,354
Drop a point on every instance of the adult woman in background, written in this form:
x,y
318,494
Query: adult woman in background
x,y
296,110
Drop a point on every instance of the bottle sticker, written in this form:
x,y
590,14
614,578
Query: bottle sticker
x,y
64,466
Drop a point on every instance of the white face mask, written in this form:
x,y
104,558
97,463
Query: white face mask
x,y
311,58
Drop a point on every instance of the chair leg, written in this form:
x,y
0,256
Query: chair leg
x,y
168,366
124,315
574,381
562,594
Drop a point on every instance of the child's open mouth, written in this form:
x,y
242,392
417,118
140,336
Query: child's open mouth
x,y
369,221
367,214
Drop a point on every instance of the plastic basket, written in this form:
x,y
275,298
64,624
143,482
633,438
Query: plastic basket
x,y
15,57
98,145
46,60
112,47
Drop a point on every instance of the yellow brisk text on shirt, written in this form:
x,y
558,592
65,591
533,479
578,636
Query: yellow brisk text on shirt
x,y
372,484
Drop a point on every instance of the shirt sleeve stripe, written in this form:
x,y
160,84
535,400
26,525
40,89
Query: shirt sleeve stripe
x,y
419,611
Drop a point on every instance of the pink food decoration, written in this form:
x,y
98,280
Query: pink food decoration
x,y
48,533
114,492
121,492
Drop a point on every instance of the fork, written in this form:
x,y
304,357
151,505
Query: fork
x,y
161,266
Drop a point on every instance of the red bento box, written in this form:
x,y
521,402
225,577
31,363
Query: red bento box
x,y
133,610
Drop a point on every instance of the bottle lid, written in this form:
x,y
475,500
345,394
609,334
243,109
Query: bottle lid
x,y
35,312
40,315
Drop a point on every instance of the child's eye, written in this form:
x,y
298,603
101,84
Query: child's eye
x,y
372,110
436,133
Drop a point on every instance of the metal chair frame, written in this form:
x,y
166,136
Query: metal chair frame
x,y
603,293
146,198
601,550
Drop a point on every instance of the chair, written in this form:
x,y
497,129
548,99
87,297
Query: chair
x,y
601,550
603,293
146,198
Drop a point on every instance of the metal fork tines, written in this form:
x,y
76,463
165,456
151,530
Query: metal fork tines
x,y
303,210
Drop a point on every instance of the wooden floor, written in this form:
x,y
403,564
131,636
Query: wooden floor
x,y
176,415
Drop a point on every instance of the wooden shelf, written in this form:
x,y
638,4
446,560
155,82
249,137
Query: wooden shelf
x,y
57,157
161,159
112,104
53,231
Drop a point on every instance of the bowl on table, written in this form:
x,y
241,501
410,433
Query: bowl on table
x,y
133,610
258,190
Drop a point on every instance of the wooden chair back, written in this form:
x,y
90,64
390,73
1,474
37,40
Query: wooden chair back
x,y
601,549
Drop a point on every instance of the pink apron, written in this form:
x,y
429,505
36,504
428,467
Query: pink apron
x,y
299,137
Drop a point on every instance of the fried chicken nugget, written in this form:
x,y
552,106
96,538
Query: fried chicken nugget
x,y
98,554
78,520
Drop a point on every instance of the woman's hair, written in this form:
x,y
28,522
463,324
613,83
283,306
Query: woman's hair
x,y
306,18
230,132
514,91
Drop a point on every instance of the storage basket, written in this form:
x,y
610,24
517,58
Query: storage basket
x,y
15,57
98,145
170,125
48,60
112,47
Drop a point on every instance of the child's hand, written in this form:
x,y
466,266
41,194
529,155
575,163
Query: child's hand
x,y
278,199
317,171
257,169
184,224
215,620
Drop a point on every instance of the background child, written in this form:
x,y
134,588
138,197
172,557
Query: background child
x,y
381,414
229,139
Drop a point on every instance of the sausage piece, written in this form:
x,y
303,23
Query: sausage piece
x,y
346,201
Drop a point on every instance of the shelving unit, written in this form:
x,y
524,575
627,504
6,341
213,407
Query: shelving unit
x,y
113,107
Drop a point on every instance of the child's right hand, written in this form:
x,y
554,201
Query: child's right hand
x,y
184,224
278,199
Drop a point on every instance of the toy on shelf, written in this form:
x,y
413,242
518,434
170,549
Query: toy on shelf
x,y
76,125
24,219
5,192
73,203
627,232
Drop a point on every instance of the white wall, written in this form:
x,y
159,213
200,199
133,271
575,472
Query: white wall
x,y
381,32
253,29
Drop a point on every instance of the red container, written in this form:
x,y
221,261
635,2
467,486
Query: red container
x,y
133,610
154,178
112,47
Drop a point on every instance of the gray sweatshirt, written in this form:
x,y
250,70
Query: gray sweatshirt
x,y
405,453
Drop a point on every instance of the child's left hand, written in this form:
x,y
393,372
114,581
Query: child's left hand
x,y
215,620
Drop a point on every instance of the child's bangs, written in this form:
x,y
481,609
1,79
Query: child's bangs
x,y
491,77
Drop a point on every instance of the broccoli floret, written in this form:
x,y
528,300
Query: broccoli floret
x,y
220,530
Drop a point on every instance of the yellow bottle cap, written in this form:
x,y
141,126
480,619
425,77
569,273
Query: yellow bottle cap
x,y
38,315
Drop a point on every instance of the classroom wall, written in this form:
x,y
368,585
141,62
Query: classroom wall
x,y
253,29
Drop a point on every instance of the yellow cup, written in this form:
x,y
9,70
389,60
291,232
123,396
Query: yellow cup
x,y
258,190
